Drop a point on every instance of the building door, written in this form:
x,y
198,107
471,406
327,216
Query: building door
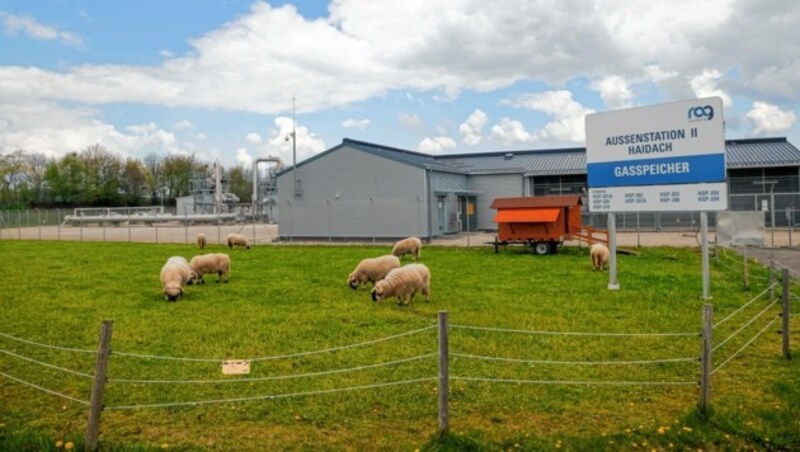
x,y
468,221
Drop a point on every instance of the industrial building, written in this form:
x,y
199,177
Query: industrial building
x,y
361,191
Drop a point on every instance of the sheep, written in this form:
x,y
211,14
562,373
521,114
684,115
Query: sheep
x,y
175,274
218,263
237,240
372,270
404,283
201,240
600,255
410,245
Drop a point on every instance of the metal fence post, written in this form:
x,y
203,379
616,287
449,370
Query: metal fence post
x,y
219,230
444,374
98,385
705,361
746,273
787,353
771,279
58,219
39,222
19,225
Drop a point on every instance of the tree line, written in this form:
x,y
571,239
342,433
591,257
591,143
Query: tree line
x,y
98,177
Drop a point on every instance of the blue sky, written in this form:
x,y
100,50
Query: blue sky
x,y
216,78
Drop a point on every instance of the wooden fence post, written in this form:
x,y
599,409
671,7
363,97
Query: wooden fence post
x,y
705,361
98,385
787,353
444,374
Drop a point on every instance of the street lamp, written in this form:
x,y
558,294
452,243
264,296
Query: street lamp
x,y
293,136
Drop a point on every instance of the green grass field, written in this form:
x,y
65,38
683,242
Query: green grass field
x,y
285,300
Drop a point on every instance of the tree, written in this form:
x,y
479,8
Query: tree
x,y
12,175
133,182
240,183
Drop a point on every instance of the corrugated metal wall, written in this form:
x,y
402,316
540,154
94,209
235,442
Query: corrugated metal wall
x,y
491,187
353,194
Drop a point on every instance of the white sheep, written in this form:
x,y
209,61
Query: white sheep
x,y
600,256
238,240
218,263
411,245
372,270
404,283
201,240
175,274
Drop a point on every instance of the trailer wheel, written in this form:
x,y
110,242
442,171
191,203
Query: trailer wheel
x,y
541,248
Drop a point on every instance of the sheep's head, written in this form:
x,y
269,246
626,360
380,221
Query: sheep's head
x,y
192,278
353,280
377,292
173,291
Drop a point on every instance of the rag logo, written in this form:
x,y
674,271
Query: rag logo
x,y
705,113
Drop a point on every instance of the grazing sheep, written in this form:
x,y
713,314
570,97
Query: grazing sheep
x,y
404,283
218,263
600,255
175,274
372,270
201,240
410,245
237,240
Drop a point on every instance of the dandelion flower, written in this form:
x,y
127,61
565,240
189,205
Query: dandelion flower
x,y
69,445
59,443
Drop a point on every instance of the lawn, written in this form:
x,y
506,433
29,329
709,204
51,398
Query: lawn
x,y
365,392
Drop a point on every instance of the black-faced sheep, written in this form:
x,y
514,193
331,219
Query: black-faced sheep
x,y
175,274
201,240
404,283
235,240
600,256
218,263
372,270
410,245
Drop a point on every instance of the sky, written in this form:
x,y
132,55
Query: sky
x,y
220,79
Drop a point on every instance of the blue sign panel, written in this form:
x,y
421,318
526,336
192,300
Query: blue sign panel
x,y
661,171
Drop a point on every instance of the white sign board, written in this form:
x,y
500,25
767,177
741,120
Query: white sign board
x,y
668,157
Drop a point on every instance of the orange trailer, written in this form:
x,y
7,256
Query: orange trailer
x,y
544,222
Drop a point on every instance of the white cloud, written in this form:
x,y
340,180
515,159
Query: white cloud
x,y
705,85
253,138
30,27
472,129
436,145
568,116
308,143
182,125
614,90
655,74
243,157
510,132
201,137
166,53
356,123
54,131
767,118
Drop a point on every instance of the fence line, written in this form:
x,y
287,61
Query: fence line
x,y
277,377
746,304
574,382
49,391
54,347
62,369
276,357
271,396
572,333
745,325
745,345
576,363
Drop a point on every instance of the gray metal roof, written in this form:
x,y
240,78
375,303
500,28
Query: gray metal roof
x,y
758,153
746,153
